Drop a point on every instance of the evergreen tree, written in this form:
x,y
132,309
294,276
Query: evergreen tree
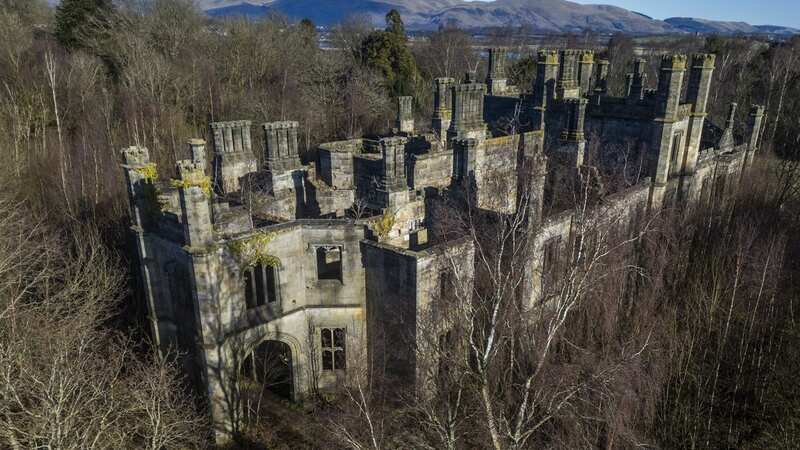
x,y
394,24
78,21
387,51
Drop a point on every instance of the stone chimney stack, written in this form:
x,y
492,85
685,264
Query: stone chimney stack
x,y
467,119
233,154
280,144
585,68
394,183
194,188
638,80
197,148
544,88
601,77
496,77
442,103
405,115
567,78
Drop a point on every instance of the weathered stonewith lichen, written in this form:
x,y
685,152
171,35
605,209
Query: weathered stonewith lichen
x,y
290,255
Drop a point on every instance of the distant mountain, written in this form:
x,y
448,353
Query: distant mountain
x,y
692,25
544,16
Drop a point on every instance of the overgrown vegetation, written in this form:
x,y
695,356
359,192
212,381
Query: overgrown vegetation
x,y
684,336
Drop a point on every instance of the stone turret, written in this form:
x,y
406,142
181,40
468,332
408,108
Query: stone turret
x,y
585,67
697,90
467,119
670,82
544,88
405,115
442,104
233,154
496,78
194,188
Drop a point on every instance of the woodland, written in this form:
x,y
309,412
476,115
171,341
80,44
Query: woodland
x,y
680,333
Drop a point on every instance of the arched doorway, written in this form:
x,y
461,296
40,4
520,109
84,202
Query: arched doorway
x,y
268,368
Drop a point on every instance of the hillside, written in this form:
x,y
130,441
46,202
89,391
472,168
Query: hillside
x,y
543,16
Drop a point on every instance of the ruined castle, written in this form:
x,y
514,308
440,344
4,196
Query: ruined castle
x,y
241,259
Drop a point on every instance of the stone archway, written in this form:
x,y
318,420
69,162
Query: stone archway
x,y
269,367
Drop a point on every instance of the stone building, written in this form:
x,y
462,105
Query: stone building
x,y
326,264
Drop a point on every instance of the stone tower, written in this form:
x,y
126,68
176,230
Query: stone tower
x,y
442,104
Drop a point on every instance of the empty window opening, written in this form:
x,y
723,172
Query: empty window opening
x,y
268,367
676,151
261,286
329,263
552,248
333,349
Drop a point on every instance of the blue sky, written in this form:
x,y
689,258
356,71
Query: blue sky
x,y
755,12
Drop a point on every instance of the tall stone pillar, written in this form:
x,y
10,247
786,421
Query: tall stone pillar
x,y
194,189
572,136
697,90
670,82
233,154
585,67
601,77
496,78
638,81
464,160
756,119
544,88
442,103
139,172
405,115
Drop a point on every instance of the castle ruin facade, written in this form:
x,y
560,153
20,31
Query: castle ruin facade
x,y
312,268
